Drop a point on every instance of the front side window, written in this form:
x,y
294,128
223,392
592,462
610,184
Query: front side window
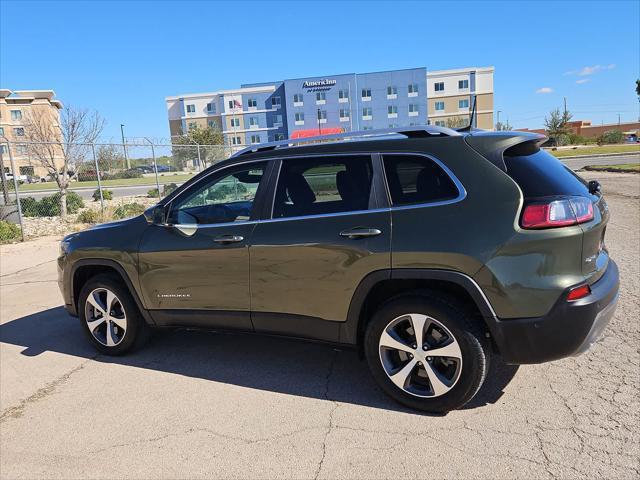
x,y
318,186
416,179
16,115
191,108
226,198
439,86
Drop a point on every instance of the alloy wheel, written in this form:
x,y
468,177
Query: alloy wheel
x,y
106,317
420,355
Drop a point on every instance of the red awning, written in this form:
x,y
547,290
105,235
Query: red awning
x,y
314,132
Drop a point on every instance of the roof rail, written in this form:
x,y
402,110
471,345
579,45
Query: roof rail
x,y
408,132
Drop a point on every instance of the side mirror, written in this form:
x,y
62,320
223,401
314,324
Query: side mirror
x,y
594,187
155,215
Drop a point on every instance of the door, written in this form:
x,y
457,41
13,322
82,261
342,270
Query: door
x,y
195,269
328,229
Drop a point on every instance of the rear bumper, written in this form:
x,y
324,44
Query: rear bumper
x,y
569,328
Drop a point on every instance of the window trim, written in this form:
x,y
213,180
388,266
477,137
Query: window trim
x,y
462,192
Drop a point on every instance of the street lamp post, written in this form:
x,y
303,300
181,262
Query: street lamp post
x,y
498,122
124,147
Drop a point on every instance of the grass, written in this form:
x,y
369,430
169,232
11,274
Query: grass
x,y
595,150
625,167
124,182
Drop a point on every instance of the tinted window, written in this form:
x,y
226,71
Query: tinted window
x,y
224,198
416,179
318,186
539,174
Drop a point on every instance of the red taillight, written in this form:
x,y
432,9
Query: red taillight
x,y
557,213
577,293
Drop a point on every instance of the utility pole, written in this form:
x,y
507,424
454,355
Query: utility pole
x,y
319,129
124,147
498,122
618,119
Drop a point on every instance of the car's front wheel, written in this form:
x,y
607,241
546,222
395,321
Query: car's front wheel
x,y
426,353
109,315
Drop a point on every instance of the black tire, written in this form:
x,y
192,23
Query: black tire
x,y
137,331
467,332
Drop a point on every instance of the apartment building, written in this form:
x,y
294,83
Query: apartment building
x,y
17,107
300,107
451,94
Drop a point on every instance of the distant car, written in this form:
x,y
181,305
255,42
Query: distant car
x,y
143,169
632,139
165,168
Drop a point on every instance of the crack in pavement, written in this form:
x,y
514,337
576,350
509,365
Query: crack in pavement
x,y
18,410
25,269
27,282
331,413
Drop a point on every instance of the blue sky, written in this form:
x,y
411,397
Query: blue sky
x,y
123,58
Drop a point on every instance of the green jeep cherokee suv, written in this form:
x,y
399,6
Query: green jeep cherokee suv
x,y
428,249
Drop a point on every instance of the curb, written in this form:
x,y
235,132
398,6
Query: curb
x,y
625,154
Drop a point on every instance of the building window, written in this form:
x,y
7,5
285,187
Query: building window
x,y
463,103
299,118
16,115
367,113
439,86
367,127
439,105
211,123
192,125
255,138
463,84
1,131
322,116
343,96
235,122
392,92
252,103
211,107
413,89
21,149
275,102
366,94
3,150
414,109
278,137
277,120
18,132
321,98
392,111
440,123
344,114
298,100
253,122
236,140
191,108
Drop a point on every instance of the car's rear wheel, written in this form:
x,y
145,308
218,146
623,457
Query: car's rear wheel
x,y
109,315
426,353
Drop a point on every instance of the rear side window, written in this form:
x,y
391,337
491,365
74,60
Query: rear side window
x,y
540,174
416,179
323,185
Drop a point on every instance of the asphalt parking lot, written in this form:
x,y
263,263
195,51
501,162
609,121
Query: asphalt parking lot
x,y
194,405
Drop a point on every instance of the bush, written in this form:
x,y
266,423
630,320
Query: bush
x,y
8,232
610,136
88,216
168,188
106,195
50,206
153,193
128,210
132,173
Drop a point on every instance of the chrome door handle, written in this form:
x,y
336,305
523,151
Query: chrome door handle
x,y
354,233
228,239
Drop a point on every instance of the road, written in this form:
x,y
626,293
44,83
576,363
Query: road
x,y
207,405
87,193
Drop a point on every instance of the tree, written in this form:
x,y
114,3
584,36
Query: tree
x,y
638,89
557,125
503,126
211,143
457,122
60,147
109,157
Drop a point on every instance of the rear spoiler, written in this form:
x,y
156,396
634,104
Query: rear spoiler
x,y
494,145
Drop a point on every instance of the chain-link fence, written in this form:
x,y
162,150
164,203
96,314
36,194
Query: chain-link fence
x,y
52,188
